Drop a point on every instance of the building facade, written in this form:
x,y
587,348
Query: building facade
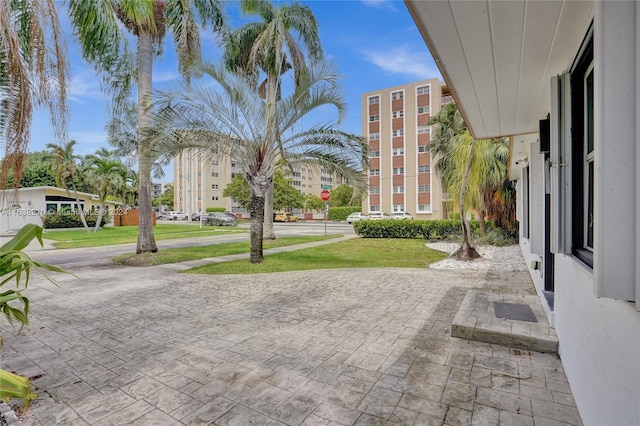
x,y
562,79
200,180
401,176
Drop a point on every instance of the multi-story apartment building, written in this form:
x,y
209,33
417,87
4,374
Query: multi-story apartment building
x,y
401,176
199,181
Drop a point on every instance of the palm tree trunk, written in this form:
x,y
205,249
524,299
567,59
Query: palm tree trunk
x,y
146,240
99,221
80,208
482,223
269,232
466,250
255,228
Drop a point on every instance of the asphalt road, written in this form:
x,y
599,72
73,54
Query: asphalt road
x,y
102,255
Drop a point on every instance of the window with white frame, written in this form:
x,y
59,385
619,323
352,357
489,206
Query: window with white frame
x,y
374,100
374,117
397,95
374,208
398,189
422,90
398,132
423,148
424,109
374,190
424,129
397,114
424,207
374,154
425,168
374,172
398,208
424,188
398,170
398,151
374,136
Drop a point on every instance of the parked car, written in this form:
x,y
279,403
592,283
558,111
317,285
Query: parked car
x,y
160,216
176,215
195,216
220,219
285,217
379,216
356,216
402,215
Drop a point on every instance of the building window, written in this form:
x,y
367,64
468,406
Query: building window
x,y
423,148
582,137
215,186
397,95
397,114
374,172
423,109
374,136
398,189
424,168
424,129
214,198
398,208
374,117
424,208
214,162
398,170
374,154
374,208
424,188
422,90
398,151
374,100
374,190
398,132
214,174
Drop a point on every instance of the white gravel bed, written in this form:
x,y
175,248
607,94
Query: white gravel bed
x,y
508,258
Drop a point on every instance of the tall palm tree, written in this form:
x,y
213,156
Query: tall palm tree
x,y
33,71
231,122
106,172
97,27
65,169
270,47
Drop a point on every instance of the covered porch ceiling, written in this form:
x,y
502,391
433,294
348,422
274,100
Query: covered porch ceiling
x,y
498,56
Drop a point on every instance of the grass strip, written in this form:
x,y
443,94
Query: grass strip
x,y
183,254
354,253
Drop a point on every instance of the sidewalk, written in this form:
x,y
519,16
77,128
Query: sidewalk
x,y
326,347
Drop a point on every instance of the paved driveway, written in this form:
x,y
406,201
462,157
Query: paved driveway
x,y
359,346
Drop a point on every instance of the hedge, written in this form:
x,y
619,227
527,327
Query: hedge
x,y
426,229
215,209
339,214
66,220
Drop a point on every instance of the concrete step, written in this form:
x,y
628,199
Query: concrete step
x,y
476,320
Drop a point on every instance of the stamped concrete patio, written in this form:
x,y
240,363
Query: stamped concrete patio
x,y
150,346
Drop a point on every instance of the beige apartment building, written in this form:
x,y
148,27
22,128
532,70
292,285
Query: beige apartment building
x,y
199,181
401,175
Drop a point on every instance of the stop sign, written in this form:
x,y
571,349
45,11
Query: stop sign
x,y
325,195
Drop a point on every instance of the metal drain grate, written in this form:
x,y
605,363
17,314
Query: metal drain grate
x,y
514,311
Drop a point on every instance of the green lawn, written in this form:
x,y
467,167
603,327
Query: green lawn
x,y
214,250
354,253
129,234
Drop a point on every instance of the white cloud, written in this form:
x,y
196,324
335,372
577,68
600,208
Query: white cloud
x,y
84,84
164,76
381,4
88,140
403,60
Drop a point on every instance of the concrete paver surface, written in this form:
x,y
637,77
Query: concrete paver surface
x,y
150,346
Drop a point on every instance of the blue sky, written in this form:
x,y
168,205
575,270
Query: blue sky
x,y
374,43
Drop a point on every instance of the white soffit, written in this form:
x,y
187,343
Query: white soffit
x,y
498,56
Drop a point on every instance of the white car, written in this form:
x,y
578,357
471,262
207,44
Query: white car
x,y
379,216
402,215
176,215
354,217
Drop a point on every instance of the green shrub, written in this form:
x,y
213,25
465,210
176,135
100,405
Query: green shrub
x,y
215,210
338,214
70,220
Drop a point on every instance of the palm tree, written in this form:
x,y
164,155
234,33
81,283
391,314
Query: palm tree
x,y
65,169
97,26
232,123
33,71
270,46
106,172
